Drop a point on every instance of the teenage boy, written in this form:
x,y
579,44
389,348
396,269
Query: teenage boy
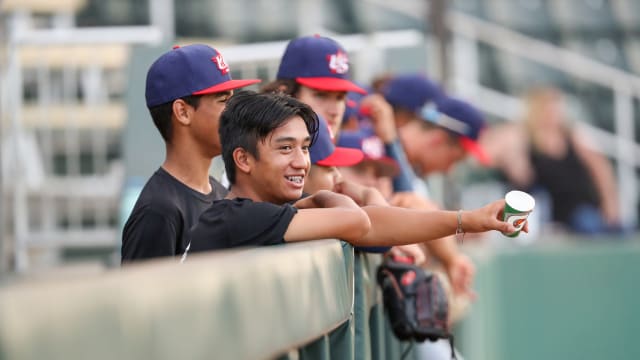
x,y
315,70
186,90
265,148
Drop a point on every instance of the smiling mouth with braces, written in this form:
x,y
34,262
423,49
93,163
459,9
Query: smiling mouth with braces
x,y
295,179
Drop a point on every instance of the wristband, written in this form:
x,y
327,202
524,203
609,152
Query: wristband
x,y
459,231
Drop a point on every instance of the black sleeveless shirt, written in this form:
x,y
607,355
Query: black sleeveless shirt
x,y
567,180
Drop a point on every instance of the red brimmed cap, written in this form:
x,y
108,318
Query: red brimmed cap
x,y
373,149
319,63
189,70
323,152
461,119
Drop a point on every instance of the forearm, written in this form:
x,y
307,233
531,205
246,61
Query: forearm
x,y
604,181
393,226
444,249
373,197
327,199
403,181
602,173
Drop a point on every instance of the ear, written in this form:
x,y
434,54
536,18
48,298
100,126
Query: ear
x,y
243,159
182,112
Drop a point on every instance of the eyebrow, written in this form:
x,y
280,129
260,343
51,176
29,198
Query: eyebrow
x,y
290,139
224,93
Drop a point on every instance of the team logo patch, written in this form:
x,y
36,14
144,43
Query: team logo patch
x,y
221,64
338,62
373,147
333,139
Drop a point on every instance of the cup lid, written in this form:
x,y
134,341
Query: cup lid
x,y
520,200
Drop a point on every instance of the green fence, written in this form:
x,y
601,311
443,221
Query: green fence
x,y
317,300
311,301
574,300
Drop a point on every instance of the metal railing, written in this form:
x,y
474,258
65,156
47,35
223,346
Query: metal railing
x,y
470,31
62,117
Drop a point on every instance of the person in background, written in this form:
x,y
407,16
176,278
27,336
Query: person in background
x,y
436,132
186,90
545,153
377,171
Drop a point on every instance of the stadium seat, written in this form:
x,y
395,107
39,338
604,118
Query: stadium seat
x,y
583,15
627,14
530,17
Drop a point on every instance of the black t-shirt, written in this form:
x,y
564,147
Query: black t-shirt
x,y
241,222
163,215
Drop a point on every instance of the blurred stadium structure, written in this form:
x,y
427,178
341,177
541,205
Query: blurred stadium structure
x,y
77,141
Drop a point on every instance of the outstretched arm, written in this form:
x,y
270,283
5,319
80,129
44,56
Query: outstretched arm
x,y
392,226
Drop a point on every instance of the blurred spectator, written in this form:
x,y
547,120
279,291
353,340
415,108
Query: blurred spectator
x,y
545,153
428,119
376,169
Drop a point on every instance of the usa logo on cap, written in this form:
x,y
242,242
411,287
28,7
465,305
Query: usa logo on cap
x,y
319,63
339,63
222,65
188,70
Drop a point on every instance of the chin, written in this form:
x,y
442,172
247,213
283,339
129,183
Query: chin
x,y
294,196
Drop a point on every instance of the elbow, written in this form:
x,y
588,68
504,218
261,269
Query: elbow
x,y
361,226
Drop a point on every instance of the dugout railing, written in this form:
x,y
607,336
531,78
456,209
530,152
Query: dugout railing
x,y
313,300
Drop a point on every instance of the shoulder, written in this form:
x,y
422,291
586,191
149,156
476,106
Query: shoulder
x,y
158,198
241,207
217,189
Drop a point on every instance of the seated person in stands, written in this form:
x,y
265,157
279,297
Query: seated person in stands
x,y
265,148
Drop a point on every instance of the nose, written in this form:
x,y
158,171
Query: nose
x,y
332,108
337,176
369,177
300,159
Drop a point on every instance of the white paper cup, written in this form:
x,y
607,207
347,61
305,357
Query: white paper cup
x,y
518,206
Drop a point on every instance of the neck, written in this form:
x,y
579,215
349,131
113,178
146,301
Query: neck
x,y
189,168
244,189
239,190
406,134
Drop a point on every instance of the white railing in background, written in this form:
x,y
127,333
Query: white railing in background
x,y
469,31
69,60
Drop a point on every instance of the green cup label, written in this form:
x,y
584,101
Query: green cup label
x,y
518,206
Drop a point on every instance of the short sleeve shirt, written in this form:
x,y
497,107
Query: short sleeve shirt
x,y
241,222
160,221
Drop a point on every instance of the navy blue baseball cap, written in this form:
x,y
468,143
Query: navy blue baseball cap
x,y
323,151
462,119
372,148
319,63
352,107
189,70
411,92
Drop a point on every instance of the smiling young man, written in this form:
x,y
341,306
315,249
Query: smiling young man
x,y
186,90
266,140
265,147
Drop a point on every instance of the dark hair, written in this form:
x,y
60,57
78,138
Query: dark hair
x,y
250,117
161,115
282,86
